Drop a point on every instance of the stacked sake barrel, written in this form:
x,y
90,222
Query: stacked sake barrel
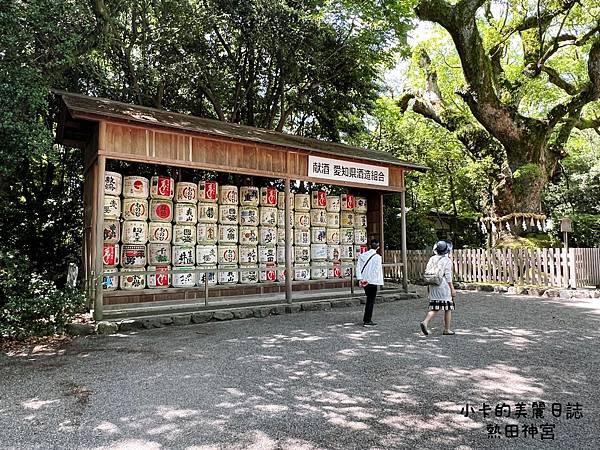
x,y
318,235
207,231
161,243
267,237
227,249
346,232
302,238
113,184
280,275
248,234
333,236
360,226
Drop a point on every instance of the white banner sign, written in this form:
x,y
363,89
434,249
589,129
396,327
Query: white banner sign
x,y
338,170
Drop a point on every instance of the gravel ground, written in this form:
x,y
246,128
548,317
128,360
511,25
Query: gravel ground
x,y
316,380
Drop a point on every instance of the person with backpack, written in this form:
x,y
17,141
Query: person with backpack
x,y
438,278
369,272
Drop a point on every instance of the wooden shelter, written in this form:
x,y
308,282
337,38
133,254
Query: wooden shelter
x,y
107,129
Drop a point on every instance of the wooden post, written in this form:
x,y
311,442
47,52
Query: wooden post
x,y
288,244
403,231
99,227
381,230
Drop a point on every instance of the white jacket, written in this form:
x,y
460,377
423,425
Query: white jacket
x,y
373,272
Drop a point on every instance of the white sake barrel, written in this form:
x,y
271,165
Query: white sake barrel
x,y
281,274
347,202
160,232
268,273
228,234
302,255
186,192
302,237
212,276
319,272
281,254
346,235
302,202
182,278
186,213
249,216
112,207
227,254
301,272
207,233
228,195
183,255
228,277
358,249
133,282
161,210
113,183
360,205
136,187
133,255
333,253
110,280
249,235
333,236
318,252
110,255
318,218
159,254
228,215
347,219
281,236
207,191
249,274
333,203
347,252
360,236
249,196
281,219
360,220
302,220
206,254
184,234
159,279
268,216
318,200
318,235
162,187
134,232
267,254
134,209
112,231
267,236
333,220
208,212
281,200
268,196
347,272
248,254
334,271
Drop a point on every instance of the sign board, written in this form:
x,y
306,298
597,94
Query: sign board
x,y
346,171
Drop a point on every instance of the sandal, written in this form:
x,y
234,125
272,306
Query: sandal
x,y
449,333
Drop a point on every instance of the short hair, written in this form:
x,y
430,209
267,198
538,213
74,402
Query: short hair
x,y
374,244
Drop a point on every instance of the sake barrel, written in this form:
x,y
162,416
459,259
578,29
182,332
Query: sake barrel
x,y
228,215
347,271
319,272
268,216
249,216
318,200
110,280
333,220
206,254
347,202
281,219
281,236
136,187
249,196
268,273
267,236
333,236
360,205
318,218
133,255
228,274
302,220
360,220
162,187
302,202
347,219
318,235
249,274
112,231
267,254
207,191
318,252
248,254
228,234
186,192
347,252
208,212
227,254
158,279
159,254
333,203
184,234
301,272
281,254
249,235
346,235
184,277
161,210
333,253
159,232
134,232
360,236
281,200
183,255
186,213
302,254
302,237
268,196
113,183
207,233
110,255
228,195
133,281
334,271
358,249
112,207
281,274
202,276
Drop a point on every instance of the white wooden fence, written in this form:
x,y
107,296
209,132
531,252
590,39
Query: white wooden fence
x,y
545,267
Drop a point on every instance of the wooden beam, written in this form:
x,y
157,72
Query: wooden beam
x,y
99,238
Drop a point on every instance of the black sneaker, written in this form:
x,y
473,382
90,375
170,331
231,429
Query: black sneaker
x,y
424,329
369,324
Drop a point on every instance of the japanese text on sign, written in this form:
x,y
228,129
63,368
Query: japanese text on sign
x,y
338,170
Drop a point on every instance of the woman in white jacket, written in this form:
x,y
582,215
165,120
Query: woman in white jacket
x,y
369,272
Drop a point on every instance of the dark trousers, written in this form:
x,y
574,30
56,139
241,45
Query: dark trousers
x,y
371,292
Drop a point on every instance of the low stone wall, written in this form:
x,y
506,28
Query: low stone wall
x,y
535,291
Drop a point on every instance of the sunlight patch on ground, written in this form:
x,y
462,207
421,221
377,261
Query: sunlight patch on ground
x,y
36,404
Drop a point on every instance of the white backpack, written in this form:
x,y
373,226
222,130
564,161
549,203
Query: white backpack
x,y
434,274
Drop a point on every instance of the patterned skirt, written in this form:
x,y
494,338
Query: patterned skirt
x,y
441,305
